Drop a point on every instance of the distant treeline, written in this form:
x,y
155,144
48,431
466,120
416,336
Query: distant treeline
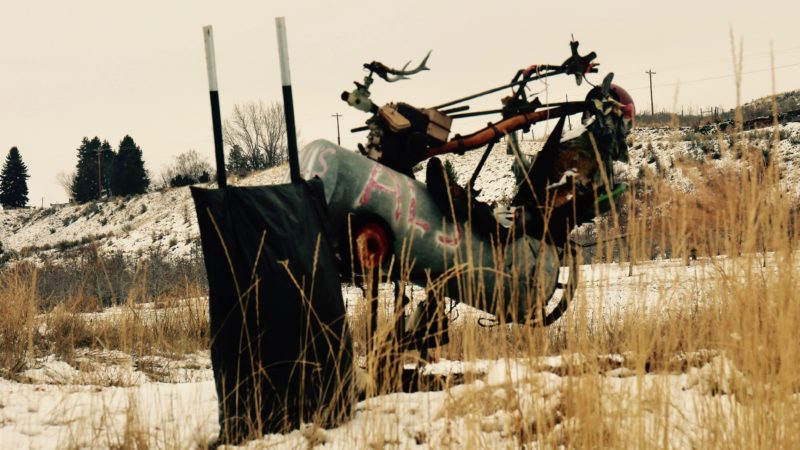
x,y
787,105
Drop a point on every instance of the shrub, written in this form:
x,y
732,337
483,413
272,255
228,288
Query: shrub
x,y
186,180
188,168
110,279
93,208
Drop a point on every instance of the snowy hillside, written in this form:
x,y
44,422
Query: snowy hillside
x,y
158,221
165,220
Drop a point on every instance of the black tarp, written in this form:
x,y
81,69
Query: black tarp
x,y
280,345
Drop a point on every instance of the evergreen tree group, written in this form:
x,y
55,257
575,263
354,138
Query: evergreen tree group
x,y
14,181
102,172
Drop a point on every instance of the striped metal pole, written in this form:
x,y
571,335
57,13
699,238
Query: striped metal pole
x,y
216,120
288,105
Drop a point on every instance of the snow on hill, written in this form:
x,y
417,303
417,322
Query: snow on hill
x,y
165,220
785,101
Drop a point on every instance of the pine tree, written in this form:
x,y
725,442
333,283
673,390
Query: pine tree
x,y
94,158
237,162
13,181
84,184
129,176
109,159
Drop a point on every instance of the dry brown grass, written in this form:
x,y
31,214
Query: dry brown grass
x,y
743,227
739,222
746,310
168,326
17,320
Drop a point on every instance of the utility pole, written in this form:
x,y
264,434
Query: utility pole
x,y
652,108
338,136
99,173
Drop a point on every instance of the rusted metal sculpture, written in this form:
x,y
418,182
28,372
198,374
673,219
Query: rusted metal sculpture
x,y
438,235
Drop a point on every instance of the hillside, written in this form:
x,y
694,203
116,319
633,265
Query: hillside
x,y
164,221
787,101
157,221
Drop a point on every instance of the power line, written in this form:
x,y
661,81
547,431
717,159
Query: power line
x,y
715,61
714,78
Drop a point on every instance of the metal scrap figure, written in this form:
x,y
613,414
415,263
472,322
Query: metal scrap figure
x,y
504,261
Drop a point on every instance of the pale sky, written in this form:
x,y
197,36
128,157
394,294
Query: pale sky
x,y
70,69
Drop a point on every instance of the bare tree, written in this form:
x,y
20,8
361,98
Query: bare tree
x,y
188,168
66,180
260,131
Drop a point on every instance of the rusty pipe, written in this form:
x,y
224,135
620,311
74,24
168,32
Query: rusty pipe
x,y
495,131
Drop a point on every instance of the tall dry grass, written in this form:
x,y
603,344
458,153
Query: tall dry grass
x,y
30,327
738,300
17,320
730,291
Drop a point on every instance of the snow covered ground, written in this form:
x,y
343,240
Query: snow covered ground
x,y
506,396
111,399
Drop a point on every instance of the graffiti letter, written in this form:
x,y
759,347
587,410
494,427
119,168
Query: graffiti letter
x,y
322,162
444,239
419,224
374,185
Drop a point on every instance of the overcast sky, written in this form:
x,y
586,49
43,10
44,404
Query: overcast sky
x,y
70,69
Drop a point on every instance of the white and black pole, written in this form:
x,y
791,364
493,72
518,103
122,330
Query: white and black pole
x,y
288,106
216,120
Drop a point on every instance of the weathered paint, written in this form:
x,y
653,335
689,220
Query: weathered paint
x,y
357,185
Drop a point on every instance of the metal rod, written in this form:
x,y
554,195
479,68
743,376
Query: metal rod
x,y
455,110
499,88
480,166
476,113
338,135
568,119
494,131
216,120
288,104
527,108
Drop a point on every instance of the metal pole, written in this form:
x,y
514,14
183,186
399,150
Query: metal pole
x,y
652,108
216,121
99,173
288,105
556,71
338,136
568,119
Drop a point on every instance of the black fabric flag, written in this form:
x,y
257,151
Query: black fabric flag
x,y
281,349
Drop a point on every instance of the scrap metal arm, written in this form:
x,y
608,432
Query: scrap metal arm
x,y
493,132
